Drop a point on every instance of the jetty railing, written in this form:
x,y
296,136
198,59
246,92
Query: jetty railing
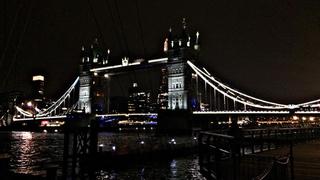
x,y
223,156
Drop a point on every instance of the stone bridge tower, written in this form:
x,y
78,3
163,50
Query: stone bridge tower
x,y
92,90
180,49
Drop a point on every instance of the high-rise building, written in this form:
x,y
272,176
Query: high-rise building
x,y
162,99
38,88
139,100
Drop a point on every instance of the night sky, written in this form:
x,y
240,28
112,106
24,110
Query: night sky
x,y
269,49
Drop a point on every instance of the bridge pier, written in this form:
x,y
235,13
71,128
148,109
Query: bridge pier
x,y
235,145
80,145
175,122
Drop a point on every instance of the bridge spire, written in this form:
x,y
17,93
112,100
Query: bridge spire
x,y
106,59
184,40
168,42
196,44
83,55
184,23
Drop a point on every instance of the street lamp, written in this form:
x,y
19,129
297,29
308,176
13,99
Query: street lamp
x,y
29,104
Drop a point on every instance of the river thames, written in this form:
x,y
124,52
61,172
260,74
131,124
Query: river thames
x,y
32,152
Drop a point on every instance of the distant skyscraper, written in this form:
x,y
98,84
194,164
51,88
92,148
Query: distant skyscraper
x,y
38,88
162,99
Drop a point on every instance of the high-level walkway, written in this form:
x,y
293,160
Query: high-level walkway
x,y
306,159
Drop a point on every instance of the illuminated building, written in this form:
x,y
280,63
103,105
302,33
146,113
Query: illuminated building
x,y
138,101
38,88
162,99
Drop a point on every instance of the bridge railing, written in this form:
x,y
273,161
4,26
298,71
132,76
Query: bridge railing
x,y
222,156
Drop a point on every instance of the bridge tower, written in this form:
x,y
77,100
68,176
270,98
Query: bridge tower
x,y
180,49
92,91
182,99
85,82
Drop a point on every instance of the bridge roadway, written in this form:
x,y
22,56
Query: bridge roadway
x,y
248,113
98,116
201,113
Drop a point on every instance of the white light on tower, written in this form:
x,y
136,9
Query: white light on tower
x,y
38,78
135,85
125,61
29,104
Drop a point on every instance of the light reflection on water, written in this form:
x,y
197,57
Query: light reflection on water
x,y
32,152
176,169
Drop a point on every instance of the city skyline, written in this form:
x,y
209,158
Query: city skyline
x,y
267,49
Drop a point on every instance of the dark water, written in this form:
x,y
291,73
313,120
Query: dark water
x,y
32,153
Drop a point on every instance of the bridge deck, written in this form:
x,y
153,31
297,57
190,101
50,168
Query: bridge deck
x,y
306,160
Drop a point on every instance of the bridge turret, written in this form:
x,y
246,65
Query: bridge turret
x,y
96,54
83,55
184,40
85,64
182,46
106,58
169,41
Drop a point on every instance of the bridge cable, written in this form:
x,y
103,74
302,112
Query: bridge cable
x,y
97,23
21,37
121,27
235,91
123,35
108,5
117,35
202,75
140,28
10,34
142,38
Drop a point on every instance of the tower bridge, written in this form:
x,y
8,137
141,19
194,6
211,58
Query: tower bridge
x,y
189,87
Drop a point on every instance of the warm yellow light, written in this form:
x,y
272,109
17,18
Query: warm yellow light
x,y
295,117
